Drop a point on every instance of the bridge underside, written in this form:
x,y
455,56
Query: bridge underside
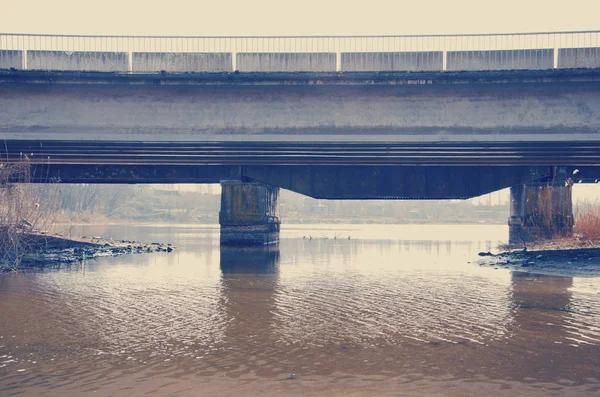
x,y
325,170
328,181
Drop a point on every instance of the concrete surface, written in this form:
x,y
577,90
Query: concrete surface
x,y
579,58
540,211
182,62
384,61
500,59
543,110
78,60
249,213
11,59
286,62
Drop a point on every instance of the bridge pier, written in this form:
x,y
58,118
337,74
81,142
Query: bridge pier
x,y
540,211
249,213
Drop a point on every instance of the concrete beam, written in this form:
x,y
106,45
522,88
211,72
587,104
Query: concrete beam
x,y
530,59
468,112
391,61
579,58
182,62
286,62
11,59
78,60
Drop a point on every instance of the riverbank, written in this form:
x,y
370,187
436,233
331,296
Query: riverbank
x,y
49,250
562,257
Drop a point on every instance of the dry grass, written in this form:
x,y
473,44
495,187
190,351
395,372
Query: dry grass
x,y
24,207
587,220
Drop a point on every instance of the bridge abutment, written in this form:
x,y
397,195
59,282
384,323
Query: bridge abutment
x,y
540,211
249,214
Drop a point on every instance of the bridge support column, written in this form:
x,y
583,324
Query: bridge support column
x,y
540,211
249,213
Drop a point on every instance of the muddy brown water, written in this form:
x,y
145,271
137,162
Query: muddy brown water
x,y
394,310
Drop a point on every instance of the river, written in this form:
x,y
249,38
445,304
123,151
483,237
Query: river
x,y
394,309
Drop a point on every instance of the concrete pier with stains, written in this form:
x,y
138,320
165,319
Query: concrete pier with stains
x,y
249,214
540,211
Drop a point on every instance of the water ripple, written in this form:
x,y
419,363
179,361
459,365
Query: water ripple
x,y
376,313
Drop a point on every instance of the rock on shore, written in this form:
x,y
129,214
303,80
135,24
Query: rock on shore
x,y
54,249
566,258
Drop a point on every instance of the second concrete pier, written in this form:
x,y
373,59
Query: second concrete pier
x,y
540,211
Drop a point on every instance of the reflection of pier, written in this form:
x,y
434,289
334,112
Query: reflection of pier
x,y
249,260
548,329
249,280
273,335
541,308
545,293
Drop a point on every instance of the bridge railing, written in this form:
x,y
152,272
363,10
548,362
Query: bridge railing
x,y
136,54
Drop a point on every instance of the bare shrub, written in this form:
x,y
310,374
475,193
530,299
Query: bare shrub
x,y
587,220
26,209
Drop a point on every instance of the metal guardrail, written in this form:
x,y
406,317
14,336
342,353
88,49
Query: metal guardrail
x,y
136,54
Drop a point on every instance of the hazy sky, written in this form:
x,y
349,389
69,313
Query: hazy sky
x,y
304,17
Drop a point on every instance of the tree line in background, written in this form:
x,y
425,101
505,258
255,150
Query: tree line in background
x,y
157,203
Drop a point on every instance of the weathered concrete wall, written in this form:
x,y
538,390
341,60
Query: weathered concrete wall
x,y
249,213
182,62
78,60
544,111
579,58
540,211
286,62
11,59
387,61
500,59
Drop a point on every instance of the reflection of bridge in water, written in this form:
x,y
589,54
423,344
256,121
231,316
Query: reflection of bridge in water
x,y
424,117
536,323
259,315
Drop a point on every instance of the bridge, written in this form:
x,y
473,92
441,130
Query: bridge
x,y
392,117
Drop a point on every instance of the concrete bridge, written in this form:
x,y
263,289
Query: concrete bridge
x,y
425,117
